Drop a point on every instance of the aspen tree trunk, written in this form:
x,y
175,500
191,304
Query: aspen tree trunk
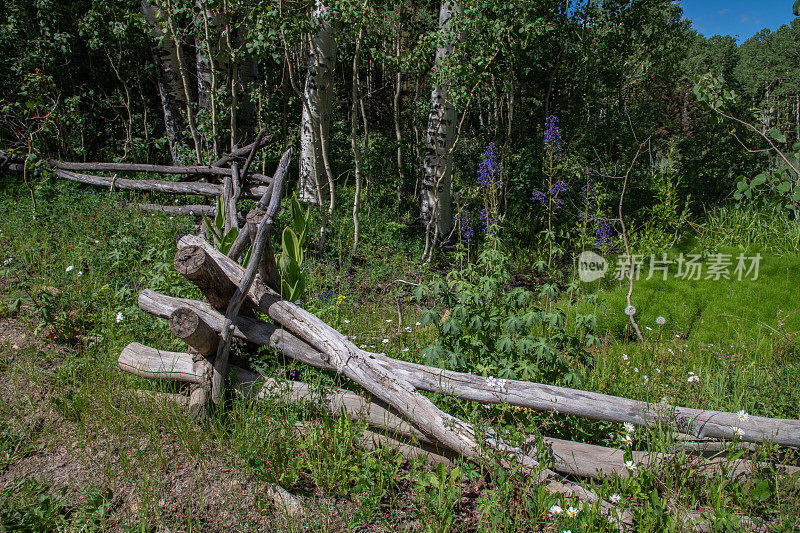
x,y
173,99
435,205
356,95
401,178
315,122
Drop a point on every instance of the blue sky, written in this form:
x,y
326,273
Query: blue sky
x,y
740,18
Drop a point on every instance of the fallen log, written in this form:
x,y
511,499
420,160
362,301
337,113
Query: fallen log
x,y
170,187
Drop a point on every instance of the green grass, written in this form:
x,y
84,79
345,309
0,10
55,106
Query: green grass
x,y
739,337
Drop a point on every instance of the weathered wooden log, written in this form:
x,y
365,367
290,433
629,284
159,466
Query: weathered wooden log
x,y
171,187
570,458
137,167
191,210
362,368
158,364
193,263
244,151
267,268
198,392
249,329
188,326
230,195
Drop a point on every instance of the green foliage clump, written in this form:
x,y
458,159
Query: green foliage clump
x,y
487,327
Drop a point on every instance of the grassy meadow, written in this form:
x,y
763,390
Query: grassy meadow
x,y
80,451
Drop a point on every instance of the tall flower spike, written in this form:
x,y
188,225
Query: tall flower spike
x,y
552,134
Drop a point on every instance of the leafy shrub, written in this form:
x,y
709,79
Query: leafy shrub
x,y
486,327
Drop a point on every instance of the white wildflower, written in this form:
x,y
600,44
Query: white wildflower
x,y
636,369
648,328
346,321
661,320
627,439
737,431
363,346
388,320
385,341
405,349
572,512
693,379
408,329
80,273
630,465
120,317
418,324
7,261
742,415
624,357
555,510
629,428
69,268
615,498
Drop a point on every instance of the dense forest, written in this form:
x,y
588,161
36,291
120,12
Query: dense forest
x,y
394,99
375,265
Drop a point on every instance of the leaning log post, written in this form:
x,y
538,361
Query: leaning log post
x,y
259,239
195,264
230,195
267,268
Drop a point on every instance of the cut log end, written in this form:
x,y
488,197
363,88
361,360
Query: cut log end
x,y
193,263
188,326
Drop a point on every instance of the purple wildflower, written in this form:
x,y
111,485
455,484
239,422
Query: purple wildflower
x,y
604,232
540,197
463,220
489,221
559,188
489,169
552,134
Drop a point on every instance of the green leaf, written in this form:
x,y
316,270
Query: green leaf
x,y
759,180
777,135
219,219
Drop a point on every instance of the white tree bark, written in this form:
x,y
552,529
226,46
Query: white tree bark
x,y
173,100
435,206
315,124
